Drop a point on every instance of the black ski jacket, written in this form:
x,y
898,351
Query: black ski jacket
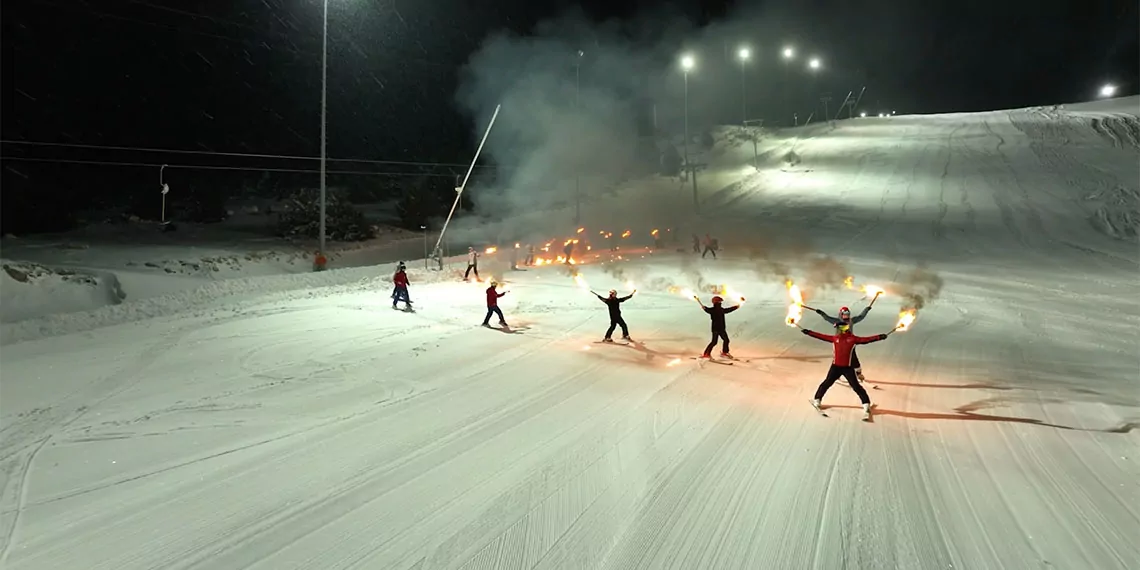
x,y
614,304
717,312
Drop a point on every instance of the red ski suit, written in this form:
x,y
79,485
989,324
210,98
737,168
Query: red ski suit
x,y
844,344
400,279
493,297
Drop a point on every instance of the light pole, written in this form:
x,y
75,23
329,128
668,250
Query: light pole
x,y
813,65
744,54
789,53
578,166
324,116
687,64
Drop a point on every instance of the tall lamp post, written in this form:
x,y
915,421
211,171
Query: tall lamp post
x,y
788,54
744,55
687,63
814,65
324,116
577,170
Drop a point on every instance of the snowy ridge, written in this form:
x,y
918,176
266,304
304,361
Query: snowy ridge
x,y
212,294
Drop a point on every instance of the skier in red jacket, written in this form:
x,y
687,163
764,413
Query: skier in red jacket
x,y
843,344
493,305
400,292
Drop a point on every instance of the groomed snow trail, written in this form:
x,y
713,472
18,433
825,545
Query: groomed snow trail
x,y
324,430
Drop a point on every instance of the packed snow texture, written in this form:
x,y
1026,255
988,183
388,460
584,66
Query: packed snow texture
x,y
299,422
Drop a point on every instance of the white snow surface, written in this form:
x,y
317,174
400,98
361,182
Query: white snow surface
x,y
298,422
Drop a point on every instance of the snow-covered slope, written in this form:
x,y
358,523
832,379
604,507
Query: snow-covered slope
x,y
314,427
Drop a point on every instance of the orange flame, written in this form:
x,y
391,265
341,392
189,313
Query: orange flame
x,y
625,234
906,318
849,282
872,290
580,230
653,233
490,250
796,309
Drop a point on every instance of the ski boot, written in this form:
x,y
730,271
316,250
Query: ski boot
x,y
866,412
727,355
607,339
626,338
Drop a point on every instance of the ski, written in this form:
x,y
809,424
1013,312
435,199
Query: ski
x,y
613,342
714,361
818,409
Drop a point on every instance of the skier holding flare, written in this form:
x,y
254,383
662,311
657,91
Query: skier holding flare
x,y
843,350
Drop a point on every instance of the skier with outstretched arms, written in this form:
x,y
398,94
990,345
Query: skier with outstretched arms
x,y
614,303
719,328
493,305
846,318
843,349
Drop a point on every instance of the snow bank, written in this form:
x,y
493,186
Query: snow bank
x,y
54,317
29,290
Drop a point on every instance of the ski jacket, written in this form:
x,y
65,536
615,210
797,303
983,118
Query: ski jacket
x,y
471,257
400,279
843,345
717,313
493,297
614,304
836,321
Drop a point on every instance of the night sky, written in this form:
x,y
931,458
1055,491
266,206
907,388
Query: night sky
x,y
243,76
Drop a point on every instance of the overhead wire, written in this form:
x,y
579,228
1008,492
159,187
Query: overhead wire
x,y
236,154
217,167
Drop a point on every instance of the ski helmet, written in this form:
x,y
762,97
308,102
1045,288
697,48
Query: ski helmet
x,y
717,300
844,312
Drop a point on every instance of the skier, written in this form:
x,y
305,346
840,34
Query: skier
x,y
400,292
696,244
472,264
711,246
529,255
843,343
845,318
614,303
719,329
493,305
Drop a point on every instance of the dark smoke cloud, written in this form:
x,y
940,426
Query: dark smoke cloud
x,y
918,288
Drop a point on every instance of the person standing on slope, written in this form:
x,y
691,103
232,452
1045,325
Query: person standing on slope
x,y
843,347
845,318
400,293
614,303
719,329
472,264
493,305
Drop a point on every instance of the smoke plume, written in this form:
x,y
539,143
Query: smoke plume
x,y
918,288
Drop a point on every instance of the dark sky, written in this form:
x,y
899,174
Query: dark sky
x,y
244,75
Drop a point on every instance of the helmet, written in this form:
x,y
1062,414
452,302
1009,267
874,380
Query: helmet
x,y
613,292
717,300
844,328
844,312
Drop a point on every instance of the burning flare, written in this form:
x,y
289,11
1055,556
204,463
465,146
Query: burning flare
x,y
905,319
490,250
580,230
872,290
849,282
625,234
796,309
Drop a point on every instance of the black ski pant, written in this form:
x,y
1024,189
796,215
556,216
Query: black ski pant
x,y
707,251
615,322
401,294
494,311
470,268
847,372
715,336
